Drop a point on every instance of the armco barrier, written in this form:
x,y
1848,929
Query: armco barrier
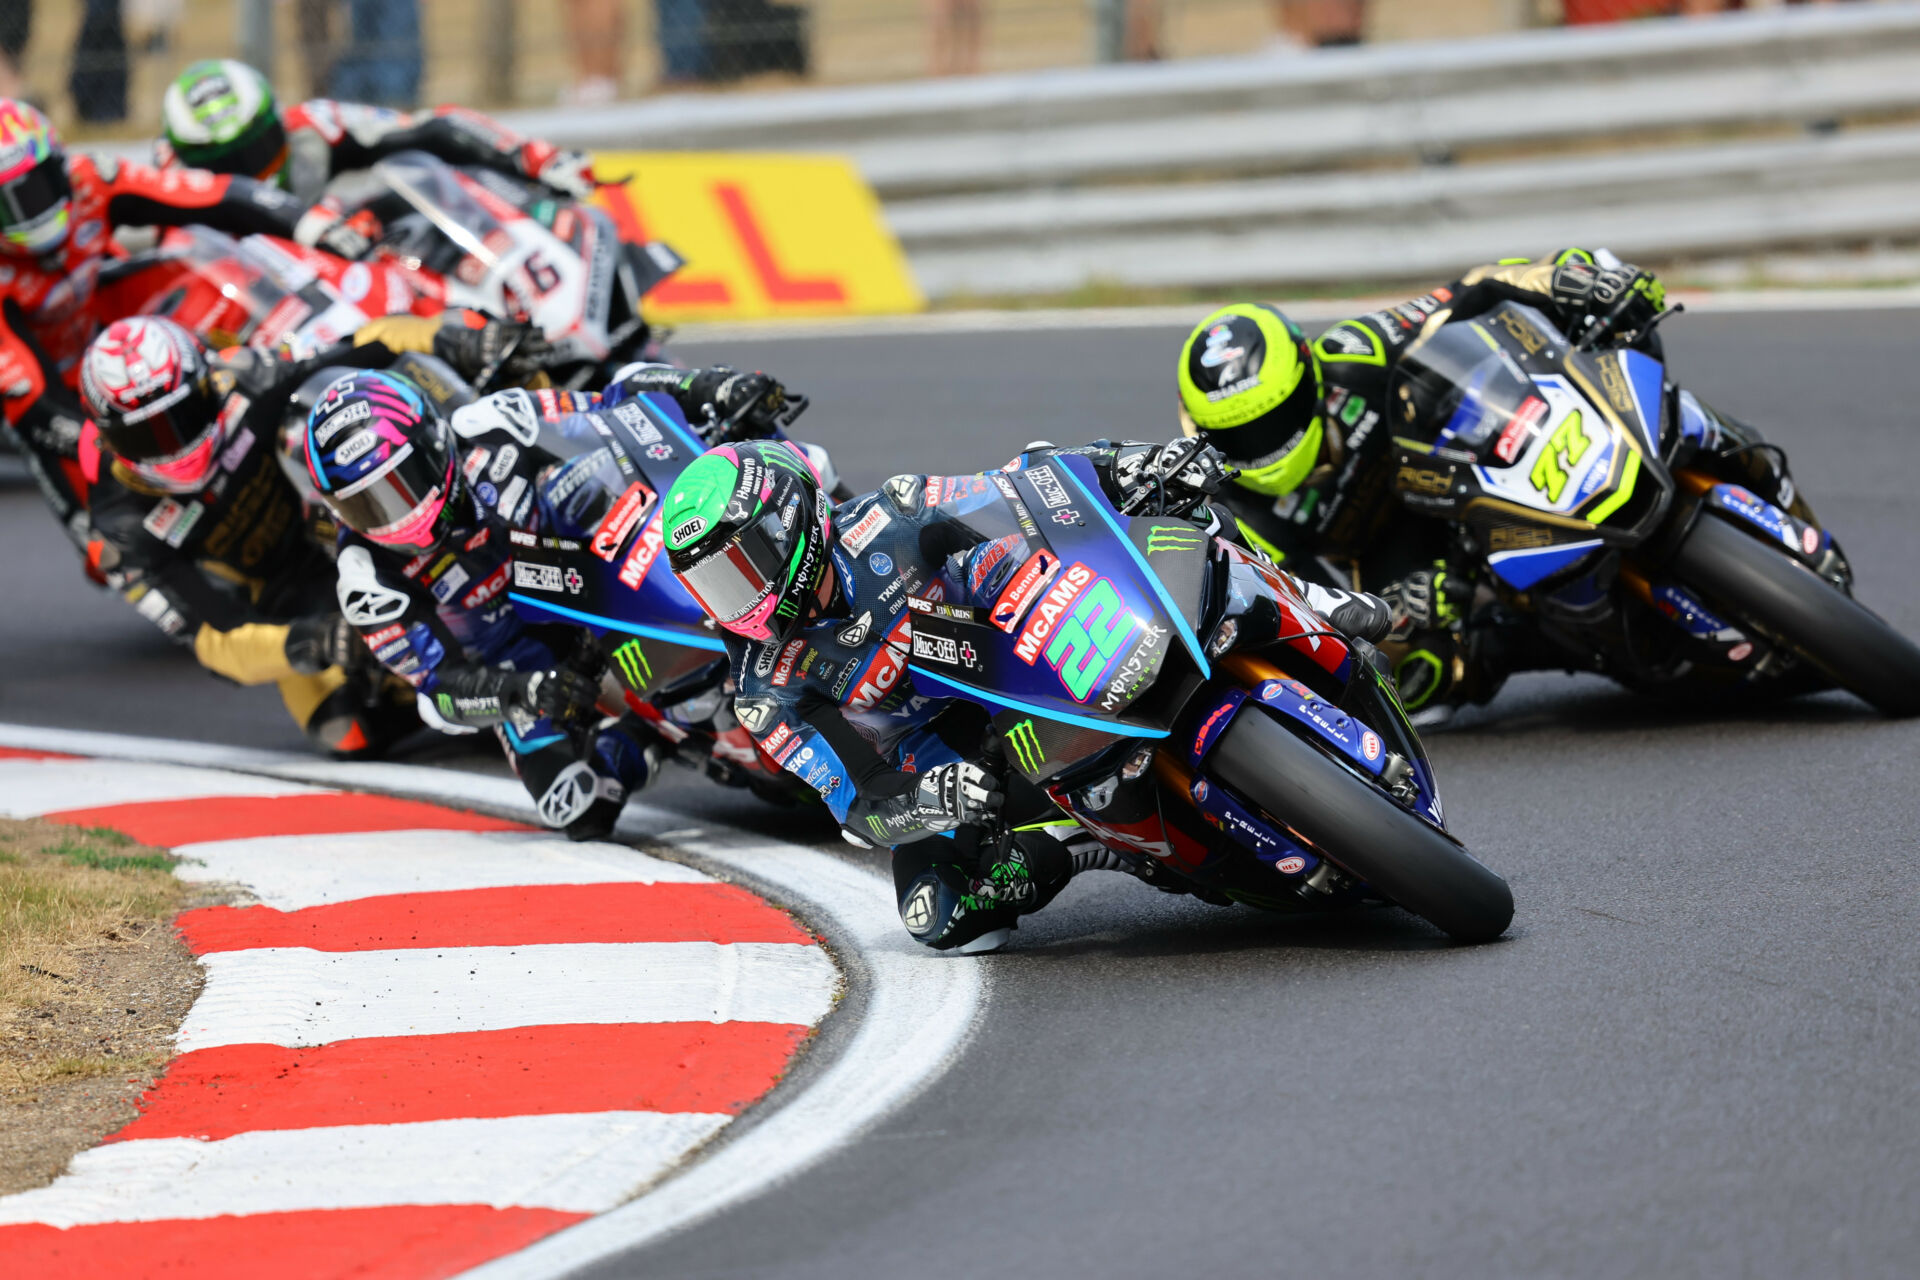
x,y
1661,138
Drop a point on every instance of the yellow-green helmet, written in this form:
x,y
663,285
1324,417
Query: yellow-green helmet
x,y
1250,387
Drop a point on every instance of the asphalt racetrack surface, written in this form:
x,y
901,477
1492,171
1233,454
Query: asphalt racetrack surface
x,y
1694,1054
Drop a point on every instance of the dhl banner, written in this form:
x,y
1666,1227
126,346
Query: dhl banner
x,y
763,235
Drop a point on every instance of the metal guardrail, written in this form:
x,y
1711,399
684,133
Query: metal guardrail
x,y
1660,139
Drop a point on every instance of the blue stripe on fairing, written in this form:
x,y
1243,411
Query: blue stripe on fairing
x,y
669,420
1014,704
615,624
1647,377
1521,569
1153,579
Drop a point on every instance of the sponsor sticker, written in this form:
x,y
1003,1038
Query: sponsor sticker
x,y
618,524
1047,484
857,538
1023,588
783,669
449,582
503,463
941,649
1370,745
641,558
1052,607
1519,429
1291,865
537,577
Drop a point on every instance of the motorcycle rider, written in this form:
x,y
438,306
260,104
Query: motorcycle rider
x,y
812,600
428,507
1309,427
196,523
220,114
57,215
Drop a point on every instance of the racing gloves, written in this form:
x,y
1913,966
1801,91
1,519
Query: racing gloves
x,y
1624,297
327,226
485,350
954,795
1354,613
560,695
570,173
325,640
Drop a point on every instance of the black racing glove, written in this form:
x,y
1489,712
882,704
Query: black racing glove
x,y
953,795
746,402
561,695
1625,297
496,350
325,640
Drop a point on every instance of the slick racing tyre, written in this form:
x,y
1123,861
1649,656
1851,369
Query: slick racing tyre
x,y
1788,601
1361,829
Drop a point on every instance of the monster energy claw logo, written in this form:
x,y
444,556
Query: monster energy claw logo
x,y
1026,747
1174,537
879,831
633,664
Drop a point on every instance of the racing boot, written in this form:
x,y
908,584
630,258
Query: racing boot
x,y
1353,613
949,909
1432,653
624,758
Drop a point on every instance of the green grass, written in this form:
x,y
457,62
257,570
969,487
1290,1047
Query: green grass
x,y
94,846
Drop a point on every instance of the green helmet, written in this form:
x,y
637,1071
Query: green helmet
x,y
1250,386
746,529
219,115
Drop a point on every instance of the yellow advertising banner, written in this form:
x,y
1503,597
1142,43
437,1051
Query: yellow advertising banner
x,y
763,235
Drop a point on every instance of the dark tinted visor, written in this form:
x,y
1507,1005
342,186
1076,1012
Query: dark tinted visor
x,y
31,195
400,504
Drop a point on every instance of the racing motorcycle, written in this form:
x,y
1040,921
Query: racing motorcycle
x,y
1171,692
598,564
513,249
1608,512
260,291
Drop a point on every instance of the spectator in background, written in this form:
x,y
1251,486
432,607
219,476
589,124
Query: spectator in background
x,y
381,63
1312,24
314,21
681,28
16,27
599,37
98,81
957,26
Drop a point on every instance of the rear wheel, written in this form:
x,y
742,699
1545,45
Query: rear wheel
x,y
1784,598
1356,825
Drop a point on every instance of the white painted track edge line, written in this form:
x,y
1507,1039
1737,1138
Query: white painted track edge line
x,y
921,1008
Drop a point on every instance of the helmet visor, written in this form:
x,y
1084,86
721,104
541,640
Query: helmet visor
x,y
171,444
740,583
400,504
33,206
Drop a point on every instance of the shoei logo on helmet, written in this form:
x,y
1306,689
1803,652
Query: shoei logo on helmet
x,y
354,447
687,531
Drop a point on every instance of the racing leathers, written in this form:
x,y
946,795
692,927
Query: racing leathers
x,y
239,570
442,621
326,138
835,705
47,315
1344,524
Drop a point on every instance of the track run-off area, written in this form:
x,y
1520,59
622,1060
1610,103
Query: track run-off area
x,y
1693,1053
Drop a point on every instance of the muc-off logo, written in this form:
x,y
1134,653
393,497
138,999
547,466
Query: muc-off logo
x,y
538,577
1047,485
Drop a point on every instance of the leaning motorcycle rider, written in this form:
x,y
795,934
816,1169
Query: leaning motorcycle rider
x,y
428,508
812,600
1310,428
220,115
58,212
195,521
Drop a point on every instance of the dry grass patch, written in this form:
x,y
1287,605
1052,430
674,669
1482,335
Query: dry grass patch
x,y
93,984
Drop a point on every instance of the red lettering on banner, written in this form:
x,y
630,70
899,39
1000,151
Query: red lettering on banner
x,y
678,290
611,533
641,558
779,285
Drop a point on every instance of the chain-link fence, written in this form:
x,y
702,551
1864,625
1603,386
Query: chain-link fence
x,y
100,65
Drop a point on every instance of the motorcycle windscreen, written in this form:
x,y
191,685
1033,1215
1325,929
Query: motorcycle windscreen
x,y
1082,626
1464,390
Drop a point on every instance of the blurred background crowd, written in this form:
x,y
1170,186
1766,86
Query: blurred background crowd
x,y
98,65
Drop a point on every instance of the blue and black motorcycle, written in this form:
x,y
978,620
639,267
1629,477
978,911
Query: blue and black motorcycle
x,y
1628,526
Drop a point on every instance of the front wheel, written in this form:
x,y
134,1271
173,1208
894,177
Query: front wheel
x,y
1833,631
1361,829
